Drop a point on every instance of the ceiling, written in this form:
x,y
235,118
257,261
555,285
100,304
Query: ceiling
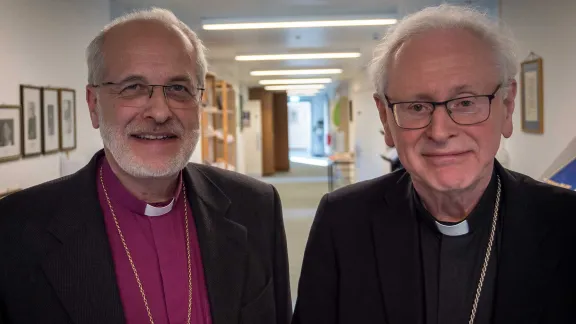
x,y
224,45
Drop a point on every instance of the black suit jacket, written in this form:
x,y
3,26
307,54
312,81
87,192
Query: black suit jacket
x,y
362,262
56,264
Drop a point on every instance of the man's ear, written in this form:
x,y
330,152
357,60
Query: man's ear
x,y
383,111
509,105
92,100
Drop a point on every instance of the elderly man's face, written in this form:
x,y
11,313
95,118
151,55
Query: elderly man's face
x,y
438,66
148,136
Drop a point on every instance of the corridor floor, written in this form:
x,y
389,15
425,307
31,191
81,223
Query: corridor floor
x,y
300,191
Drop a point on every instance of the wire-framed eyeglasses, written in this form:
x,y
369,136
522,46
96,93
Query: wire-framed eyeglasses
x,y
469,110
137,94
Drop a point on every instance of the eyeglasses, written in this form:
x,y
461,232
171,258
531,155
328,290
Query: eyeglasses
x,y
137,94
469,110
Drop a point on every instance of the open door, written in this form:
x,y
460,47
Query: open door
x,y
252,137
281,150
267,117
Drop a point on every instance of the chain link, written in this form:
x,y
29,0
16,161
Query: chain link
x,y
487,256
129,255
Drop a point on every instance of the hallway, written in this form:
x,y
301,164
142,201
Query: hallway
x,y
300,191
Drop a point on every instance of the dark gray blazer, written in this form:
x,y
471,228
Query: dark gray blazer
x,y
56,264
362,262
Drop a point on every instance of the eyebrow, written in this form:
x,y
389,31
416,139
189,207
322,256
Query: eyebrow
x,y
133,77
454,92
137,77
181,78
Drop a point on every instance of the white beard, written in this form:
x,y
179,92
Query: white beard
x,y
116,141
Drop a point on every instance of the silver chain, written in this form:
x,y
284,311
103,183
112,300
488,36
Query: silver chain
x,y
488,253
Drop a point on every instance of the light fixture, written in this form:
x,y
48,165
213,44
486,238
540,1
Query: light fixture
x,y
296,81
294,87
303,92
296,72
297,23
306,56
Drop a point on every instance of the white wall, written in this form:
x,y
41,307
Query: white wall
x,y
300,125
546,28
43,44
365,131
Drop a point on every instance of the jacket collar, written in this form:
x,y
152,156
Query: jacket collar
x,y
519,274
223,245
395,231
79,262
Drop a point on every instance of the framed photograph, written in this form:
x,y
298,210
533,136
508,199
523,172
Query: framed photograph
x,y
532,96
10,140
50,121
31,122
67,116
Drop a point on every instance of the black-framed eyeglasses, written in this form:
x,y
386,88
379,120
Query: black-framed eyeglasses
x,y
137,94
469,110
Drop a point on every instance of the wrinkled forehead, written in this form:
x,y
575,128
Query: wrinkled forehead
x,y
148,48
443,58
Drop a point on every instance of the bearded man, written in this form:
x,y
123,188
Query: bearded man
x,y
140,235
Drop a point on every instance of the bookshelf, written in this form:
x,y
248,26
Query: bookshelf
x,y
218,121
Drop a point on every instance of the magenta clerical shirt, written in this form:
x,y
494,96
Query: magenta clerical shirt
x,y
158,248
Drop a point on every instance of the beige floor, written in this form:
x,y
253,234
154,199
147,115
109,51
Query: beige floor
x,y
300,191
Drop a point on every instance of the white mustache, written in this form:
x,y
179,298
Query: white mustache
x,y
172,128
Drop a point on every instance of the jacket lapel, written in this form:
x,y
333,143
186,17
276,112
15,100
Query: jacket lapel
x,y
521,273
78,261
223,245
396,241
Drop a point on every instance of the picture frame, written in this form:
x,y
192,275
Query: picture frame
x,y
10,134
50,121
67,118
31,120
532,95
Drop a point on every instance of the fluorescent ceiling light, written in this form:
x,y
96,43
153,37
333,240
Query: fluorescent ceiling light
x,y
294,87
308,56
300,24
296,81
296,72
303,92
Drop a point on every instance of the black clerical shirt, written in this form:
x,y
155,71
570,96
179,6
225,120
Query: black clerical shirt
x,y
452,264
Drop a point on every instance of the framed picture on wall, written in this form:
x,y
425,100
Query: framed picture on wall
x,y
67,116
532,95
10,140
50,121
31,120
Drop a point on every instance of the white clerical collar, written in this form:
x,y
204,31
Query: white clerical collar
x,y
158,211
453,230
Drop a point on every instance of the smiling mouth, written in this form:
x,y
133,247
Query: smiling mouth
x,y
154,137
445,155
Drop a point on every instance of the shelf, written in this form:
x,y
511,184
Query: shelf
x,y
215,110
211,110
223,165
218,123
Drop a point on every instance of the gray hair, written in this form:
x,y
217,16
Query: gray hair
x,y
444,17
95,55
